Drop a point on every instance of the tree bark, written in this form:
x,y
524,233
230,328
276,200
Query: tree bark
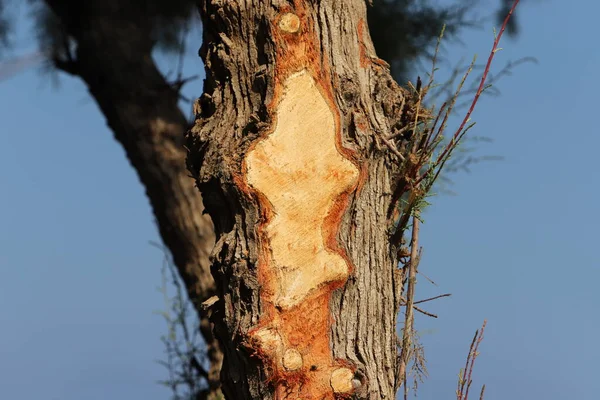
x,y
289,149
113,57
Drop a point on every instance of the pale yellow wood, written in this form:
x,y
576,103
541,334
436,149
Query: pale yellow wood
x,y
301,172
341,380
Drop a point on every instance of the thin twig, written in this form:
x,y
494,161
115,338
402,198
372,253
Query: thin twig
x,y
428,279
392,148
403,300
410,295
433,298
474,357
465,379
462,381
425,312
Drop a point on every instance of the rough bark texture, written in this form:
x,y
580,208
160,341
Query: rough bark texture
x,y
344,324
113,57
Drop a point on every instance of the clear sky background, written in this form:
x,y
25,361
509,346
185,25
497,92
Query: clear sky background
x,y
517,245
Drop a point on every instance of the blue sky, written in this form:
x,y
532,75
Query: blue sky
x,y
515,246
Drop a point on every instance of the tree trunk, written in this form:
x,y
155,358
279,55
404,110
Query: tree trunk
x,y
113,57
290,151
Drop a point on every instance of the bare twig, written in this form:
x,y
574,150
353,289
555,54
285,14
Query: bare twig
x,y
427,313
428,279
404,303
465,377
410,295
392,148
433,298
184,347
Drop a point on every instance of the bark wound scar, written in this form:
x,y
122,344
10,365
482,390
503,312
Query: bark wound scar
x,y
302,177
301,173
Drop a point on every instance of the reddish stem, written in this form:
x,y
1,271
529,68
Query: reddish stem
x,y
481,83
